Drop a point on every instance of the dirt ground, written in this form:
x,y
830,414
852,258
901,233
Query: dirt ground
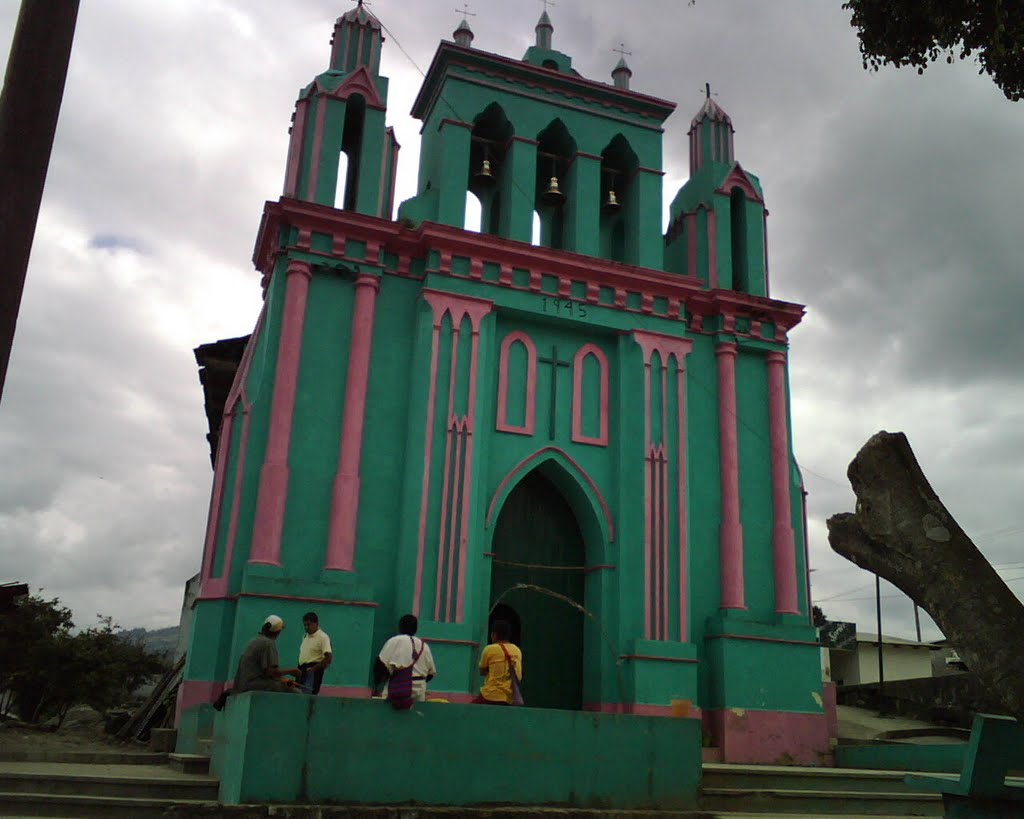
x,y
14,738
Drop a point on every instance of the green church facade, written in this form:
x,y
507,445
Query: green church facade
x,y
588,436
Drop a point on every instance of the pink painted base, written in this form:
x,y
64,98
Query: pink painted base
x,y
641,709
770,737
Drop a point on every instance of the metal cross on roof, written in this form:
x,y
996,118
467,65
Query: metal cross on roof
x,y
707,91
547,3
465,12
621,50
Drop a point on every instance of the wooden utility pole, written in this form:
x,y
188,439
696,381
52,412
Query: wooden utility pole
x,y
29,106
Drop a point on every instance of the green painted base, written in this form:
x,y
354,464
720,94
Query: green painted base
x,y
288,748
660,673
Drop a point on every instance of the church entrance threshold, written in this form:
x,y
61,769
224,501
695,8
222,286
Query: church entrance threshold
x,y
536,537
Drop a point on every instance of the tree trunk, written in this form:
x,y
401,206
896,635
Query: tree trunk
x,y
902,531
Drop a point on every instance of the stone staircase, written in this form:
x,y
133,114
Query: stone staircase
x,y
85,784
766,790
143,785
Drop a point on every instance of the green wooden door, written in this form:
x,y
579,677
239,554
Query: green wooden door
x,y
536,528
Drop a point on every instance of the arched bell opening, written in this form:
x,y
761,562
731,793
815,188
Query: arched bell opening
x,y
351,148
555,151
488,148
618,206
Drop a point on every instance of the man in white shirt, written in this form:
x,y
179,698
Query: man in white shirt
x,y
314,654
399,651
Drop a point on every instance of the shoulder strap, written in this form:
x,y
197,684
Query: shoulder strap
x,y
508,659
416,654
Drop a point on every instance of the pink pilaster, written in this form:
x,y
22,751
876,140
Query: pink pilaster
x,y
783,542
273,488
341,541
318,143
731,535
657,506
691,244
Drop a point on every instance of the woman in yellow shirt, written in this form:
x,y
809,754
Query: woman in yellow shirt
x,y
494,665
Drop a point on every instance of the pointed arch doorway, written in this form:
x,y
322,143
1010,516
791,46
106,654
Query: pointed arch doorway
x,y
537,528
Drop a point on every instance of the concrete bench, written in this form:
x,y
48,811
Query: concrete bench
x,y
996,747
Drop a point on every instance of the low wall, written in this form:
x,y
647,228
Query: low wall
x,y
941,758
291,748
951,700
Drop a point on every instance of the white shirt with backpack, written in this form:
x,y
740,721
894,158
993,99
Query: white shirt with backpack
x,y
398,652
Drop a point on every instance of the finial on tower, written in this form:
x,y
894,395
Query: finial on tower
x,y
621,73
544,27
463,35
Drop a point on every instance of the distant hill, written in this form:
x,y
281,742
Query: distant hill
x,y
159,641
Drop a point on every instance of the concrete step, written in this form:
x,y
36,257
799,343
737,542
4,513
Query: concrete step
x,y
73,806
144,782
777,777
818,802
86,757
189,763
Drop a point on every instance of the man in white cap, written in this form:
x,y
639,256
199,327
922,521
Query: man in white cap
x,y
258,668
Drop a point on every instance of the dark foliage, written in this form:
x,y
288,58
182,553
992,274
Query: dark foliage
x,y
45,668
917,33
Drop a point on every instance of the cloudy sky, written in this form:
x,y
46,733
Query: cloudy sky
x,y
894,204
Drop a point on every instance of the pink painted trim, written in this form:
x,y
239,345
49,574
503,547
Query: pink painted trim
x,y
539,455
319,600
295,145
318,145
530,399
273,487
427,453
236,500
476,316
681,508
783,541
657,511
341,540
216,497
764,238
578,363
458,307
731,535
754,737
198,692
360,82
446,550
648,525
352,692
712,249
738,178
640,709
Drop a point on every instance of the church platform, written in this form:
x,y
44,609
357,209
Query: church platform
x,y
270,748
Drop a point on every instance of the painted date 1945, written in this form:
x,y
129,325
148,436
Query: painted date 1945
x,y
564,307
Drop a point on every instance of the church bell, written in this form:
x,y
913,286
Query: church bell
x,y
611,203
484,176
553,196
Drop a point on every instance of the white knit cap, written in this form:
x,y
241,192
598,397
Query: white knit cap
x,y
275,622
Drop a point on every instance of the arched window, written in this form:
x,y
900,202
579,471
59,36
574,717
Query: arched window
x,y
487,150
555,150
738,233
342,185
590,405
351,146
619,164
473,213
535,234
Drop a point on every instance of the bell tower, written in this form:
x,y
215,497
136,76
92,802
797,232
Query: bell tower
x,y
718,222
340,152
545,144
